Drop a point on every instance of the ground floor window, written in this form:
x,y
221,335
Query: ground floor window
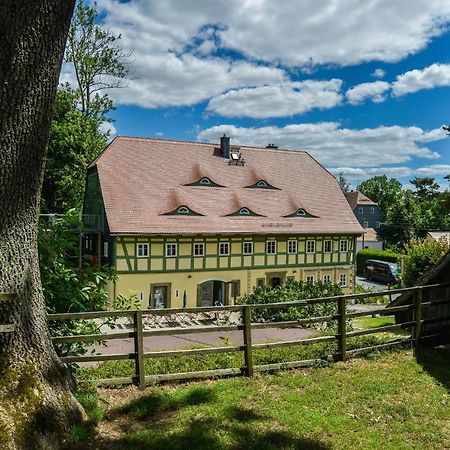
x,y
160,296
327,278
343,279
212,293
310,279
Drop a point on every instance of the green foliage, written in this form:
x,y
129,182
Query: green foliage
x,y
383,191
359,289
75,140
289,292
98,61
67,286
422,255
383,255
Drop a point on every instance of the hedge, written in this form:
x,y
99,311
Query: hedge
x,y
383,255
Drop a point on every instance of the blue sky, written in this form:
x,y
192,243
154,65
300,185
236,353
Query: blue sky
x,y
363,86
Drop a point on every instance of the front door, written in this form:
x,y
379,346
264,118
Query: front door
x,y
159,296
211,293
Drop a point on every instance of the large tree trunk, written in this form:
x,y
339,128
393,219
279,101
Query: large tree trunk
x,y
36,404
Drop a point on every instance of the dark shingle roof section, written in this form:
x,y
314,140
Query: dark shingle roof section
x,y
141,179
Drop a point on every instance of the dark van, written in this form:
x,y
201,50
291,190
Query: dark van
x,y
381,271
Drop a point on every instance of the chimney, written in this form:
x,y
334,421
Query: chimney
x,y
225,146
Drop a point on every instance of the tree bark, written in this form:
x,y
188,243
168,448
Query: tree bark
x,y
36,404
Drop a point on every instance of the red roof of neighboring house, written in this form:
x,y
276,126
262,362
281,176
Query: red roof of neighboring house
x,y
143,179
356,198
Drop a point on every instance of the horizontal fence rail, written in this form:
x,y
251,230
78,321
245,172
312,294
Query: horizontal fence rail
x,y
342,317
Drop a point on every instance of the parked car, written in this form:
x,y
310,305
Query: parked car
x,y
381,271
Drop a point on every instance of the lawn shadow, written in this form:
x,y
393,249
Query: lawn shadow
x,y
435,361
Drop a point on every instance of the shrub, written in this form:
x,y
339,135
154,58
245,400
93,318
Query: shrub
x,y
290,292
421,255
383,255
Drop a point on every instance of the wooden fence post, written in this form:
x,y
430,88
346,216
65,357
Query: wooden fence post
x,y
342,328
139,349
418,314
248,354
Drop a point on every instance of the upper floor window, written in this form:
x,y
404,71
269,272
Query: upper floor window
x,y
327,247
301,212
142,250
183,210
271,247
292,246
365,224
204,181
372,210
360,210
247,248
343,246
244,212
199,248
171,249
377,224
224,248
311,246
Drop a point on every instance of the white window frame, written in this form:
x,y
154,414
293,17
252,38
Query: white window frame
x,y
271,242
301,212
341,242
360,210
173,252
183,210
343,279
105,249
365,224
327,278
372,210
331,246
290,250
142,246
205,181
310,279
244,212
262,184
225,244
310,246
377,224
199,245
251,248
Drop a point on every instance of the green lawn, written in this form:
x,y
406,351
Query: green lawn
x,y
394,400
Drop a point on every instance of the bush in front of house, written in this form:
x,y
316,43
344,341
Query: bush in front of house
x,y
290,292
382,255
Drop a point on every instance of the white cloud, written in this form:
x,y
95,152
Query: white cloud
x,y
278,100
176,44
433,170
416,80
108,127
378,73
334,146
375,91
362,173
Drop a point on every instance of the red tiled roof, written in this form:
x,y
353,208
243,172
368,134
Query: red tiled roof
x,y
142,179
356,198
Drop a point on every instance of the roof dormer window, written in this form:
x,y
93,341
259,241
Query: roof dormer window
x,y
261,184
205,182
244,211
301,212
182,210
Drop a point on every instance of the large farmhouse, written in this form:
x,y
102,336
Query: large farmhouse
x,y
192,224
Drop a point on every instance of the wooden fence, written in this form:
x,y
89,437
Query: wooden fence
x,y
342,317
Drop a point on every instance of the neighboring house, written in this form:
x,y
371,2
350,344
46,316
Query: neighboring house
x,y
367,212
189,223
437,235
370,239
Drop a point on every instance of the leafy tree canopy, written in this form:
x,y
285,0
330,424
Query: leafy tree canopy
x,y
383,191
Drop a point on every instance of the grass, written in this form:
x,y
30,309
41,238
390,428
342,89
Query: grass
x,y
396,400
